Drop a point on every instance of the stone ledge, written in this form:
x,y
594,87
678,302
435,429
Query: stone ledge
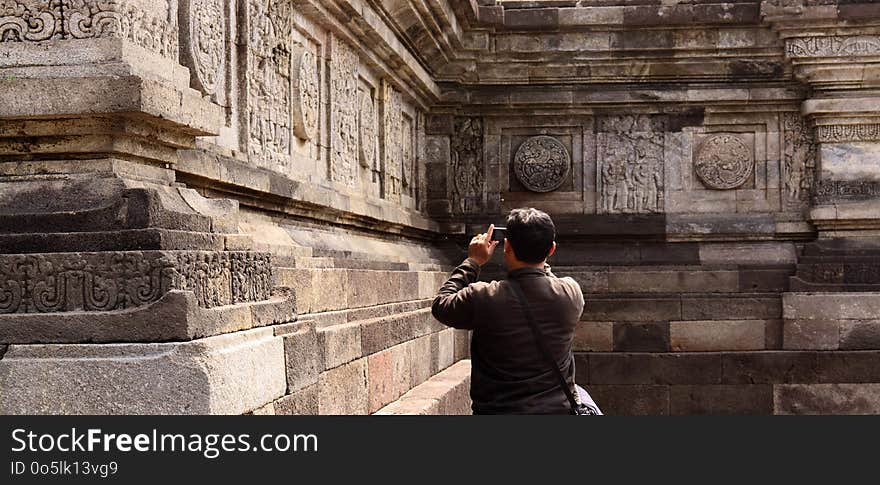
x,y
445,393
226,374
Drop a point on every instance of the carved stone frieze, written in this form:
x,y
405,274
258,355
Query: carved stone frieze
x,y
847,133
833,46
799,158
392,122
150,24
630,164
724,162
367,130
306,93
62,282
466,166
541,163
343,113
203,32
827,191
407,153
30,20
268,83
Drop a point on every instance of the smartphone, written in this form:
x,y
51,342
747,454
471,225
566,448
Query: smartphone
x,y
499,233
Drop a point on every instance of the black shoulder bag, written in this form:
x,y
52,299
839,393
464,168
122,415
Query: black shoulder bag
x,y
577,408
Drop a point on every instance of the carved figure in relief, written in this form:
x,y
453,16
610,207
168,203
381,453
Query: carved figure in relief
x,y
393,125
344,114
152,26
799,162
541,163
466,159
305,94
204,42
630,166
368,137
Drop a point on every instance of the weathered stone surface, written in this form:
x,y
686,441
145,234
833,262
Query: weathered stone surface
x,y
811,334
860,334
593,336
700,336
631,400
721,400
343,390
823,306
226,374
303,401
340,344
641,337
303,356
445,393
827,399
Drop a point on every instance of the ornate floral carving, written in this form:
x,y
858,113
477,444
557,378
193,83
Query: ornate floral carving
x,y
832,190
799,158
723,162
268,83
306,93
630,164
834,46
204,44
392,122
847,133
541,163
30,20
369,138
151,25
38,283
466,168
343,114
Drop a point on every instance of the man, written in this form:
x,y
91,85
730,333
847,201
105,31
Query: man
x,y
509,375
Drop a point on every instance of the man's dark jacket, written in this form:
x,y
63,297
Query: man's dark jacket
x,y
508,373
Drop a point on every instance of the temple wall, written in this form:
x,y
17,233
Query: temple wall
x,y
254,202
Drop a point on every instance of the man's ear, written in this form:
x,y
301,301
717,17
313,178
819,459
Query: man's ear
x,y
552,250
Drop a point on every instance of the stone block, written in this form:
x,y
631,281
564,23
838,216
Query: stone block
x,y
860,334
226,374
633,309
827,399
713,335
414,406
810,334
420,359
764,280
329,290
445,355
769,367
641,337
846,367
593,337
673,281
301,402
721,400
400,368
532,19
635,400
380,380
655,368
838,305
340,344
343,390
381,333
303,357
462,344
730,308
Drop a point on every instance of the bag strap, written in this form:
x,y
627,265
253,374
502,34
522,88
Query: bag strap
x,y
517,290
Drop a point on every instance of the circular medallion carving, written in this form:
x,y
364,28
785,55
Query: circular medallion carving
x,y
367,130
541,163
205,46
724,162
304,71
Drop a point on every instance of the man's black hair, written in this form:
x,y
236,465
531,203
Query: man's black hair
x,y
531,233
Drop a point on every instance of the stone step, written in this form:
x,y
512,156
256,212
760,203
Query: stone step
x,y
447,392
762,382
328,289
678,336
683,307
678,279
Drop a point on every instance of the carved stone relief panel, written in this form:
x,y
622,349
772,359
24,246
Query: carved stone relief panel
x,y
305,95
799,158
343,113
833,46
630,164
268,84
466,170
368,136
724,162
29,20
150,24
407,153
392,124
541,163
203,39
847,133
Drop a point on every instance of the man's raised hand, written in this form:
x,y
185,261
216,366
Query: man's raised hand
x,y
482,246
